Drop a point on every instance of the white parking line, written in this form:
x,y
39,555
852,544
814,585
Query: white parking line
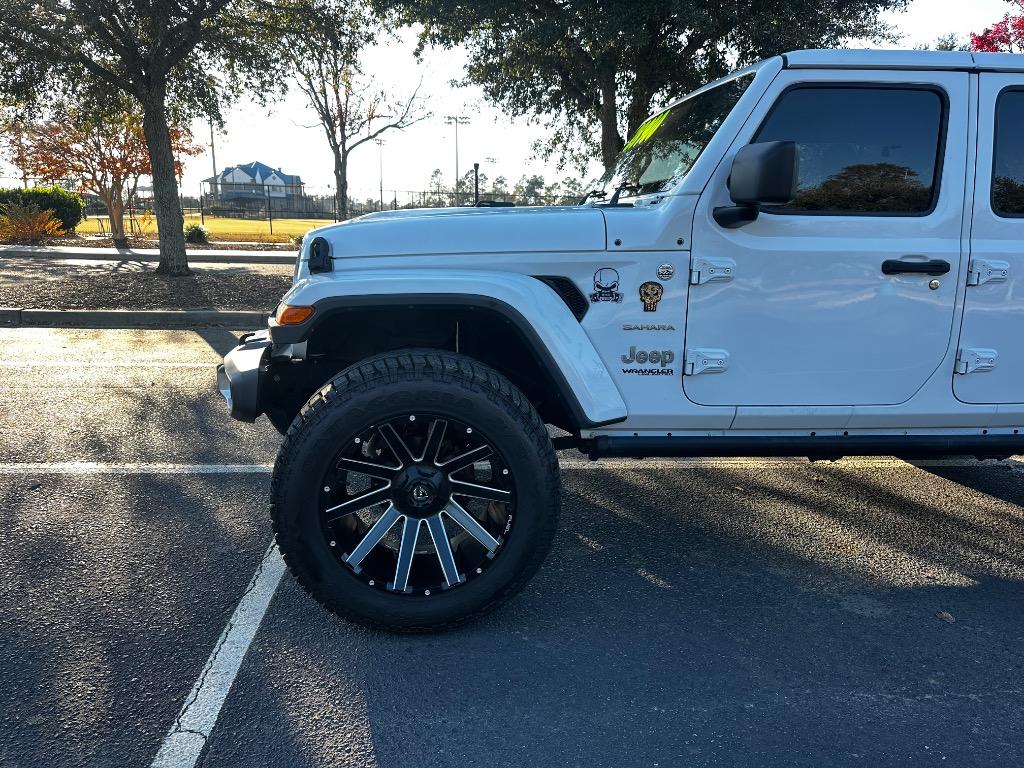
x,y
568,462
123,364
102,468
184,743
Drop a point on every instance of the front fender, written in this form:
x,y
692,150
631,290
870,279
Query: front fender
x,y
534,308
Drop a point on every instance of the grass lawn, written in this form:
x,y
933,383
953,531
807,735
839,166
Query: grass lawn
x,y
220,228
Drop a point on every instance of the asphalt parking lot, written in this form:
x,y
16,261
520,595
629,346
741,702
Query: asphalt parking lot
x,y
718,613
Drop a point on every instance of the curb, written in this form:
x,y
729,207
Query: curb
x,y
89,254
157,319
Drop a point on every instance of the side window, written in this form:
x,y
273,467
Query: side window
x,y
870,150
1008,166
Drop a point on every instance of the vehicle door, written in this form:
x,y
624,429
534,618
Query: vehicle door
x,y
990,363
846,295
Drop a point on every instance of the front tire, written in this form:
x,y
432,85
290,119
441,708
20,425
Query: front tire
x,y
415,491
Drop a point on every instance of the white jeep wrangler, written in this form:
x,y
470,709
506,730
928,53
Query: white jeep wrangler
x,y
820,255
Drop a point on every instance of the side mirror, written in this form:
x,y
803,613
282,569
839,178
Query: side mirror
x,y
320,256
762,174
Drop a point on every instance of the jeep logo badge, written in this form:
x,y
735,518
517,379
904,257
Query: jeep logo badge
x,y
665,357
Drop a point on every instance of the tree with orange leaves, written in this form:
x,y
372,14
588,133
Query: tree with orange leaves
x,y
102,148
1006,35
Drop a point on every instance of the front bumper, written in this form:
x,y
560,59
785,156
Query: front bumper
x,y
238,377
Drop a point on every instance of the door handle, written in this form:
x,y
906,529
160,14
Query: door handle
x,y
932,267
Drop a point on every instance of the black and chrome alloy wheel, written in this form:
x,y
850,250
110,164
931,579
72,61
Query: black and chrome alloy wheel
x,y
417,504
415,491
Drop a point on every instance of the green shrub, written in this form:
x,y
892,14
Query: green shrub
x,y
67,207
196,233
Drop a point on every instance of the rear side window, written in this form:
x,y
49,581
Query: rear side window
x,y
1008,170
870,150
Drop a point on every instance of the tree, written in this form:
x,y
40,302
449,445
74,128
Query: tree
x,y
530,190
499,187
867,187
572,190
1006,35
102,146
467,182
187,55
575,64
323,58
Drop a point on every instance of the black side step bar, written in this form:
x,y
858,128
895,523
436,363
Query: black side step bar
x,y
826,447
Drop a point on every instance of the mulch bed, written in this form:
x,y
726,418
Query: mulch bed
x,y
31,284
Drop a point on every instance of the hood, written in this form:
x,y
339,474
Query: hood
x,y
467,230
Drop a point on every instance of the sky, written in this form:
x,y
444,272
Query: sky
x,y
286,134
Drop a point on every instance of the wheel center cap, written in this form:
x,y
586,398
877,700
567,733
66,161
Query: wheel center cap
x,y
420,491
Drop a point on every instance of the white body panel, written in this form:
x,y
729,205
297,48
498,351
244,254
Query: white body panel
x,y
566,343
808,318
819,340
469,231
994,309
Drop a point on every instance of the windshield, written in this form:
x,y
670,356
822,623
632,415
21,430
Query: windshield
x,y
666,146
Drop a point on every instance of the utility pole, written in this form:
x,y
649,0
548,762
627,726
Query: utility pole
x,y
380,162
214,185
213,151
456,120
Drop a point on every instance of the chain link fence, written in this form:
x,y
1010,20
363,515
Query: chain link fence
x,y
258,201
270,203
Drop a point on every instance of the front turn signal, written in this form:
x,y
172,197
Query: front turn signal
x,y
287,315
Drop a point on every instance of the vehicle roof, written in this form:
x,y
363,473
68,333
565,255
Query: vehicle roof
x,y
883,59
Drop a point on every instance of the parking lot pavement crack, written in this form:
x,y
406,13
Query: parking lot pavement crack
x,y
187,737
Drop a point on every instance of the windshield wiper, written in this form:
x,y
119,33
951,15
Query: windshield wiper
x,y
592,193
626,187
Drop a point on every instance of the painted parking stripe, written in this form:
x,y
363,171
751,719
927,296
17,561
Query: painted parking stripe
x,y
102,468
122,365
184,742
574,463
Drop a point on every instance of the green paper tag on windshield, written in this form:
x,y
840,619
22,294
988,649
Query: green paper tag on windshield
x,y
646,130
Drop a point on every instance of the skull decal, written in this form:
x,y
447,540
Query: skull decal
x,y
650,295
606,286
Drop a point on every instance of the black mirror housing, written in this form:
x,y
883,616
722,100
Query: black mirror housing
x,y
320,256
765,174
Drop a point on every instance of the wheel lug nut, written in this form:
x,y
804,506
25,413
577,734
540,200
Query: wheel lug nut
x,y
426,592
327,489
372,582
334,543
479,570
358,441
412,418
469,430
504,471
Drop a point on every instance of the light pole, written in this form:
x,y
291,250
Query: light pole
x,y
456,120
380,161
214,183
213,151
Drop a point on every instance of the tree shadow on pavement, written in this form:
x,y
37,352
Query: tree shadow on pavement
x,y
114,591
684,617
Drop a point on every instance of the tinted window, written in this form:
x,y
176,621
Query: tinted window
x,y
862,150
1008,174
